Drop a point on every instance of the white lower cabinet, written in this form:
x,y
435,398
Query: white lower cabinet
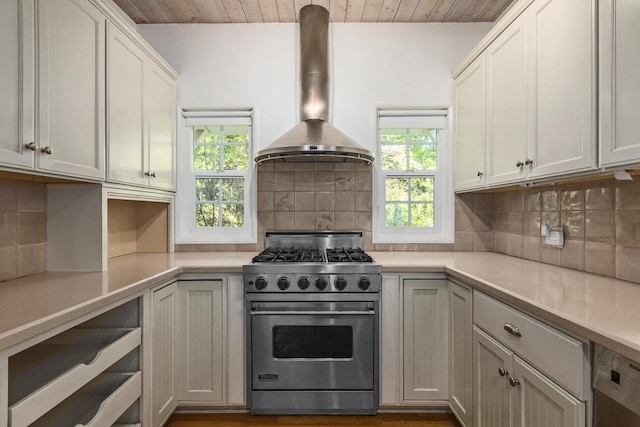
x,y
507,389
510,392
197,344
460,352
414,342
164,352
201,338
87,375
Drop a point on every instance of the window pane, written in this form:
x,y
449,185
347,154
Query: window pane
x,y
232,189
393,135
206,134
206,189
423,157
394,157
422,215
232,215
422,189
206,215
236,157
397,189
236,134
397,214
206,158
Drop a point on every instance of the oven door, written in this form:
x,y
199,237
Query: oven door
x,y
312,345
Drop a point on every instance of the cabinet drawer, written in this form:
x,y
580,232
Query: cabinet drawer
x,y
82,353
105,401
560,356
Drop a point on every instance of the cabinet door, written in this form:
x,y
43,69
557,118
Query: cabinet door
x,y
561,101
164,356
619,69
541,403
470,126
235,342
161,127
17,77
425,348
460,352
125,74
201,340
491,390
507,105
71,88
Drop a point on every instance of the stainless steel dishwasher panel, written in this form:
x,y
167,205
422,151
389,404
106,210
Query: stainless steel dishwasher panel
x,y
616,390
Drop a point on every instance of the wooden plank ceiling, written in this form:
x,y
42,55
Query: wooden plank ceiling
x,y
248,11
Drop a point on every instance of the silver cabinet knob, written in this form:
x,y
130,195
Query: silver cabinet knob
x,y
480,173
150,174
528,162
31,146
514,382
519,164
46,150
503,372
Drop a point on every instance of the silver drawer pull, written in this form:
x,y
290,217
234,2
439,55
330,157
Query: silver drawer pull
x,y
514,382
503,372
512,329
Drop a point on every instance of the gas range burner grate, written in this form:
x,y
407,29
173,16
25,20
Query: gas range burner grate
x,y
293,254
347,255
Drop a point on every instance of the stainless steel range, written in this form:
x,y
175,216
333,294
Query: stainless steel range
x,y
312,325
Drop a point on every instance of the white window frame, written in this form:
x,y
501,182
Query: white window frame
x,y
186,229
443,230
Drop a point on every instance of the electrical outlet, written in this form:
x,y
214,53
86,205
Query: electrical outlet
x,y
555,238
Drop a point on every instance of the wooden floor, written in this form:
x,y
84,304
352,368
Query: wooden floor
x,y
246,420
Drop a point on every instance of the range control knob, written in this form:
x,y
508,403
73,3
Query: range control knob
x,y
283,283
364,283
260,283
321,283
340,283
303,282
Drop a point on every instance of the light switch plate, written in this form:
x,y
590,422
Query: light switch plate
x,y
555,238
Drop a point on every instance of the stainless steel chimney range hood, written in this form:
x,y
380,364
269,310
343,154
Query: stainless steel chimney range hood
x,y
314,139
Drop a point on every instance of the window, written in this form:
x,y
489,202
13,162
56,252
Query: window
x,y
214,185
414,199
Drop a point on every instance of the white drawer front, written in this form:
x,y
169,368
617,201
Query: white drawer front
x,y
560,356
47,397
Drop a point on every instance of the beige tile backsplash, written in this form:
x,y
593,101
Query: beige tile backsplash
x,y
23,228
600,219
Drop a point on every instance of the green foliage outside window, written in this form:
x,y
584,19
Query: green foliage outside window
x,y
409,201
220,150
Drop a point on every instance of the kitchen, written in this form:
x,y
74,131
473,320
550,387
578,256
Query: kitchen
x,y
598,215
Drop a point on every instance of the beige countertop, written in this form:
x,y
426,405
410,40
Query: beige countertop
x,y
592,307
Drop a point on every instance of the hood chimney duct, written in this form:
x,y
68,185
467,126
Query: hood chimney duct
x,y
314,139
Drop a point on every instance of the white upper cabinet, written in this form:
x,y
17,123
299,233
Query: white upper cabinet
x,y
469,126
17,89
562,87
68,137
161,121
142,116
507,135
540,112
71,55
619,33
126,64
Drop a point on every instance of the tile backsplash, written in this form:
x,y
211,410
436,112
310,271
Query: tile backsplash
x,y
600,220
23,228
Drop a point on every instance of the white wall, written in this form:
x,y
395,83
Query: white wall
x,y
255,65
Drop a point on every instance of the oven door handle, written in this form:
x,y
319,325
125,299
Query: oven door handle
x,y
310,312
